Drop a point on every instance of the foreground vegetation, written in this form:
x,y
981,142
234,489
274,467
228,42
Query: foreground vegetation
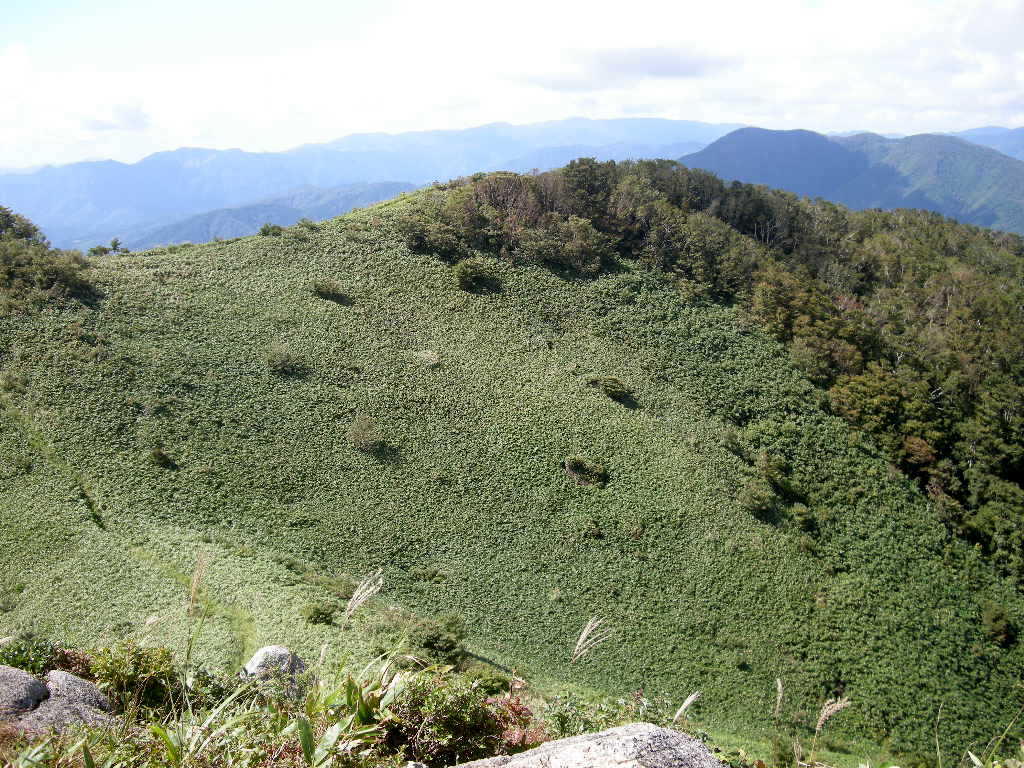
x,y
527,401
172,712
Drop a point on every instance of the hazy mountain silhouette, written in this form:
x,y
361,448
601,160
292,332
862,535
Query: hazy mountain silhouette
x,y
966,181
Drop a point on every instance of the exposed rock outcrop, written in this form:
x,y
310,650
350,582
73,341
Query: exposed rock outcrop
x,y
64,700
640,745
20,693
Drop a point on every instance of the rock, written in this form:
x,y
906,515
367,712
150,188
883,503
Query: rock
x,y
20,693
29,705
640,745
64,685
72,701
274,666
274,661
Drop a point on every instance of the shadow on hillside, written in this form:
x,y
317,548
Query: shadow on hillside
x,y
388,454
627,401
490,662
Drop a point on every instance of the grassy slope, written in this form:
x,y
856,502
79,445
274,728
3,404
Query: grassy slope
x,y
702,594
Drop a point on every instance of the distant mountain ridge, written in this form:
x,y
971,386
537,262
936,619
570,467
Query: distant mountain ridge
x,y
952,176
308,202
1009,141
82,204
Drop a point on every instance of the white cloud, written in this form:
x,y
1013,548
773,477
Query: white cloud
x,y
320,72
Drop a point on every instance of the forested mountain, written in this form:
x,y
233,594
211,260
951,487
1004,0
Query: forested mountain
x,y
968,182
763,437
1009,141
307,202
83,204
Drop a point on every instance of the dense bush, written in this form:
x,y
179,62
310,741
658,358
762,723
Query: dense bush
x,y
137,678
585,471
282,361
319,613
441,721
32,274
33,654
366,436
475,276
271,230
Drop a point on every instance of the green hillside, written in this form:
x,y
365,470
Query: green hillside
x,y
202,400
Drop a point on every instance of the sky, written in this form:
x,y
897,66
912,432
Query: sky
x,y
92,79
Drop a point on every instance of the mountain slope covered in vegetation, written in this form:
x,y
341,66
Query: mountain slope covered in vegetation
x,y
971,183
530,401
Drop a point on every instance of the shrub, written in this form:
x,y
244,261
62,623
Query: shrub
x,y
32,274
475,276
611,387
365,435
997,624
426,231
137,677
283,362
76,662
271,230
329,290
487,679
319,613
758,496
584,471
159,458
570,243
30,653
442,721
434,640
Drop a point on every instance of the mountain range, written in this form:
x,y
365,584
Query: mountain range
x,y
1009,141
82,204
158,199
308,202
974,184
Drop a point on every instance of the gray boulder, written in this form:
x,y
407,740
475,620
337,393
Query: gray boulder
x,y
20,693
64,685
640,745
274,661
64,700
277,669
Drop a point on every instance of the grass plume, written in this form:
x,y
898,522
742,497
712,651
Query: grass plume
x,y
591,636
690,700
367,588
